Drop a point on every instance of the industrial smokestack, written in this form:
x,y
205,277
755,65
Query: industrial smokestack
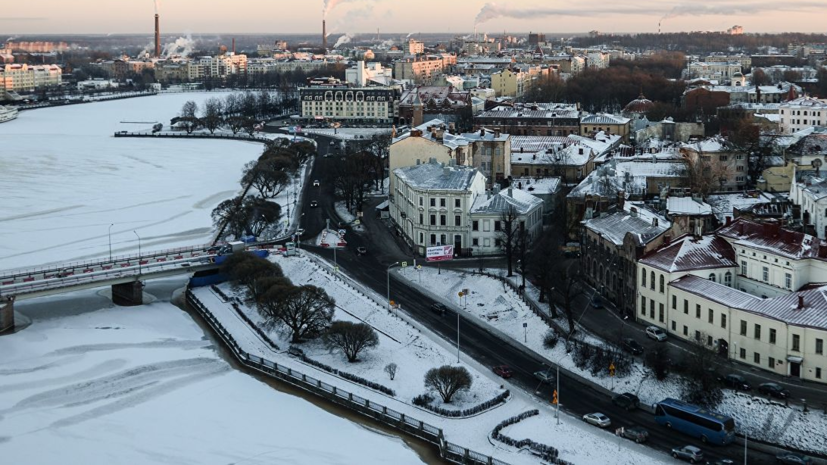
x,y
233,45
324,34
157,37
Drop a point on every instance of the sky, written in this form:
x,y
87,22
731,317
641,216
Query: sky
x,y
365,16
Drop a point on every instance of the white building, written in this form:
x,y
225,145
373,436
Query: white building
x,y
415,47
97,84
489,213
369,104
735,292
363,74
24,77
430,204
802,113
717,71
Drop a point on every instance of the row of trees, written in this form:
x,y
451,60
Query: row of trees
x,y
361,169
703,42
269,175
237,111
305,311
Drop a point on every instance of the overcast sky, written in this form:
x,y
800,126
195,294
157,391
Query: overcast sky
x,y
355,16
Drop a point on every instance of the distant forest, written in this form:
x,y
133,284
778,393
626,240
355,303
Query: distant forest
x,y
702,42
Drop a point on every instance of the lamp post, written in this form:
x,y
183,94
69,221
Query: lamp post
x,y
457,336
110,241
139,251
389,284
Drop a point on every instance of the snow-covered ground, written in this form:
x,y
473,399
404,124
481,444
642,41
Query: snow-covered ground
x,y
346,133
143,385
331,238
473,432
496,305
64,179
347,216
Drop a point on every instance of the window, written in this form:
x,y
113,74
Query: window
x,y
421,219
820,346
643,278
743,267
498,242
709,340
788,280
442,202
496,226
698,312
674,302
643,305
796,343
457,220
661,284
818,373
652,279
697,336
475,242
712,277
421,200
724,158
685,306
433,220
723,321
475,225
756,357
743,353
728,279
743,328
673,325
433,239
772,336
457,203
433,202
757,333
651,309
711,317
660,313
685,330
442,220
765,274
771,362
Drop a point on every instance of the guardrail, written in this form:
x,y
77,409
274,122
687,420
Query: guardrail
x,y
376,411
241,137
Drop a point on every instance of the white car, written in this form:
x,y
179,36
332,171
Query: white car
x,y
316,183
597,419
656,333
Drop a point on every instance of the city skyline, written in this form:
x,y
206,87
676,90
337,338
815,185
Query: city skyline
x,y
425,16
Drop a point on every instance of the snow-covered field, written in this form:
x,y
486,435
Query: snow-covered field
x,y
64,179
495,304
143,385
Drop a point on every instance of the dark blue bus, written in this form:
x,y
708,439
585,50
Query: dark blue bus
x,y
695,421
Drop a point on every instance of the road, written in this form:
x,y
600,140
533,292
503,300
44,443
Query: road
x,y
475,341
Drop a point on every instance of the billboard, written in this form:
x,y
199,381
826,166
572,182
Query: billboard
x,y
440,253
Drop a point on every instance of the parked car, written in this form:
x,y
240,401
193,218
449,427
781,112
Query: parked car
x,y
544,376
361,250
597,419
635,433
626,400
314,204
438,308
315,183
774,390
632,346
737,382
656,333
789,458
503,371
689,453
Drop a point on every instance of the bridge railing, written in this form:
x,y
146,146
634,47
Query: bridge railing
x,y
53,268
397,420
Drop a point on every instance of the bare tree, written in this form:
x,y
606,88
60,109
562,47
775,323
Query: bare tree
x,y
229,217
390,369
305,310
705,176
701,383
260,214
213,114
448,380
566,277
541,267
189,116
658,361
507,233
351,338
246,270
268,180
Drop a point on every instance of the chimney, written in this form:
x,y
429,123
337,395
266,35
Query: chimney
x,y
324,35
800,302
728,220
157,36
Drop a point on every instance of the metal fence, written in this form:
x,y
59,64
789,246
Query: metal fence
x,y
400,421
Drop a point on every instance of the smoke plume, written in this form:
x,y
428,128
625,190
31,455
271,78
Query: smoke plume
x,y
343,40
157,6
739,8
329,5
492,11
183,47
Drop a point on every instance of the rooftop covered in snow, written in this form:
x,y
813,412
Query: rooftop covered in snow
x,y
436,176
688,253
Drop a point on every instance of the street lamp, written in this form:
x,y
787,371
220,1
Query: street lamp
x,y
389,284
139,251
110,241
